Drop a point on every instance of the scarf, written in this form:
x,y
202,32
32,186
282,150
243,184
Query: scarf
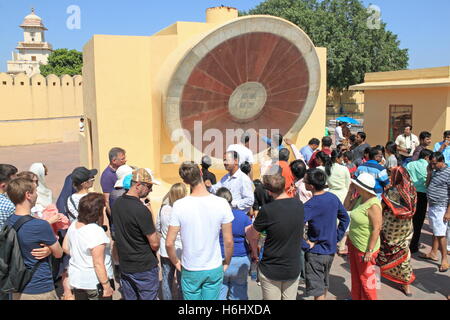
x,y
44,193
401,198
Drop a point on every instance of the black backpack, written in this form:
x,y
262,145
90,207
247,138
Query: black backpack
x,y
14,275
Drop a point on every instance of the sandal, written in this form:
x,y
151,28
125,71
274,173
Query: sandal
x,y
443,268
427,257
402,289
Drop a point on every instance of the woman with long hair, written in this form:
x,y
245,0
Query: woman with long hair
x,y
176,192
338,176
399,206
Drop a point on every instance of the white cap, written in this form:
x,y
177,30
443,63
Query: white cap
x,y
121,173
365,181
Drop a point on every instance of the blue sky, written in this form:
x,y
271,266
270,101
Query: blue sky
x,y
422,26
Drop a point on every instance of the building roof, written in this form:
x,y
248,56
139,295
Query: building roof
x,y
32,20
418,78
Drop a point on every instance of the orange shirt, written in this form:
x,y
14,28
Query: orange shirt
x,y
289,186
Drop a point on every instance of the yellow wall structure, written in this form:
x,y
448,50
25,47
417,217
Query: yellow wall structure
x,y
352,101
123,103
38,109
427,90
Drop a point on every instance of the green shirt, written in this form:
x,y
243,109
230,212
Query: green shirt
x,y
418,172
360,226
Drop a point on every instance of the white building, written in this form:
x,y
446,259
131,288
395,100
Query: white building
x,y
33,51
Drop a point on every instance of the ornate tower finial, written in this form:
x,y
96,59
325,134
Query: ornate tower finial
x,y
32,10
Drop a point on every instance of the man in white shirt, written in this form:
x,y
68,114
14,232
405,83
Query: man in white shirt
x,y
239,184
245,154
406,144
199,218
338,133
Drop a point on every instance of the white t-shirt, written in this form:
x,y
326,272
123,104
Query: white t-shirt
x,y
81,265
338,135
162,226
409,142
245,154
200,220
74,210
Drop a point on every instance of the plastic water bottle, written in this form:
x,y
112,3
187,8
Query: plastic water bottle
x,y
253,271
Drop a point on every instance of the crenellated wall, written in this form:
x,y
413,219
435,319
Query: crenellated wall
x,y
39,109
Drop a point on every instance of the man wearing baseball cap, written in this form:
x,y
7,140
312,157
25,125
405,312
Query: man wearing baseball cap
x,y
137,240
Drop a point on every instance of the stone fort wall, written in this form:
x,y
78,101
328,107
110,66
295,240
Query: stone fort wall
x,y
39,109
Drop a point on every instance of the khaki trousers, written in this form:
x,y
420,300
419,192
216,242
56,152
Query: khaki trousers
x,y
278,290
42,296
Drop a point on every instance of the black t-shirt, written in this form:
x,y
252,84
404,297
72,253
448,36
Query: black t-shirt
x,y
132,223
283,222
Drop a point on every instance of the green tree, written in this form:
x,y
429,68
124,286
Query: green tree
x,y
342,26
63,61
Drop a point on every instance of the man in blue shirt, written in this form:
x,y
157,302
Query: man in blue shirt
x,y
36,240
307,151
444,147
321,213
374,168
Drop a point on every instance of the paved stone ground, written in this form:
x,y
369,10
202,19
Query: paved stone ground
x,y
430,284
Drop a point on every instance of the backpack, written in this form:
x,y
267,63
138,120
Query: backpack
x,y
14,275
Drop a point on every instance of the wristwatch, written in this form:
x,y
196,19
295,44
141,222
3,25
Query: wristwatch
x,y
369,251
105,283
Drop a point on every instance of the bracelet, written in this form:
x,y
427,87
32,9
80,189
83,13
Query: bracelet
x,y
369,251
105,283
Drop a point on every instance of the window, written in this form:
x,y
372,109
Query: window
x,y
33,58
4,83
399,117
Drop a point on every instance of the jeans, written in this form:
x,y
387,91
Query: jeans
x,y
141,285
202,285
168,275
235,283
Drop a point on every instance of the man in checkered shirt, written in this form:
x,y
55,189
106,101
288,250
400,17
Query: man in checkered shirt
x,y
7,208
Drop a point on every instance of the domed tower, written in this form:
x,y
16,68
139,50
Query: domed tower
x,y
33,50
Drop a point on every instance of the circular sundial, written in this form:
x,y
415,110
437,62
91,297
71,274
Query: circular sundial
x,y
247,100
255,72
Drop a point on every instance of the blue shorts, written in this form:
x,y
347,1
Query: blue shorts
x,y
202,285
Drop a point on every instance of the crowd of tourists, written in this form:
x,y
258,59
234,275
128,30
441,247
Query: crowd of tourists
x,y
211,236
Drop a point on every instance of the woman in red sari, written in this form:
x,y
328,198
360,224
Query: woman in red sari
x,y
399,206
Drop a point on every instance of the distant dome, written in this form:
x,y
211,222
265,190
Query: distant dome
x,y
32,20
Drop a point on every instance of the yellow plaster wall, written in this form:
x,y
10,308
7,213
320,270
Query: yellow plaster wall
x,y
429,111
315,126
38,109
